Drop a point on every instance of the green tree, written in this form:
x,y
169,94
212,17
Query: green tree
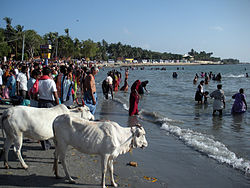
x,y
52,39
89,49
32,43
4,48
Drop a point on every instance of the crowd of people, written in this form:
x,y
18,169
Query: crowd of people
x,y
39,85
44,86
239,105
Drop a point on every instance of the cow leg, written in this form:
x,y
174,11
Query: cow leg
x,y
18,142
111,169
8,142
105,159
55,166
62,153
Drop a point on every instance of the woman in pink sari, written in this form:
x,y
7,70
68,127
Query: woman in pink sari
x,y
134,98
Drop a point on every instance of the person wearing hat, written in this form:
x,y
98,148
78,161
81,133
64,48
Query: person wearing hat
x,y
219,99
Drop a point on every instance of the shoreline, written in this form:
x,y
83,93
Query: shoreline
x,y
157,64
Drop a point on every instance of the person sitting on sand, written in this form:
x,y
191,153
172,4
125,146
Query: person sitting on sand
x,y
240,104
219,99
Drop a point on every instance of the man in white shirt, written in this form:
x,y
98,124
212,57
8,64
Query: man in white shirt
x,y
22,81
47,90
107,85
47,96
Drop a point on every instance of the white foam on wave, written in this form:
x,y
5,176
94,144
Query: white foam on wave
x,y
234,76
125,107
209,146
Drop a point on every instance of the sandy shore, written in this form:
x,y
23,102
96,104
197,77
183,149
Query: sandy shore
x,y
86,169
159,64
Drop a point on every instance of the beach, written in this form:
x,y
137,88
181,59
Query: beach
x,y
122,64
187,146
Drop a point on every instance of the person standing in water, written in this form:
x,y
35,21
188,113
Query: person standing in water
x,y
199,92
219,99
142,87
240,104
107,86
125,86
134,98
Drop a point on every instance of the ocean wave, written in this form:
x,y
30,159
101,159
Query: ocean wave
x,y
234,76
208,146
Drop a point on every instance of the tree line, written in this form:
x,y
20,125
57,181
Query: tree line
x,y
64,47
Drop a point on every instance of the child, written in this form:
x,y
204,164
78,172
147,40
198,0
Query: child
x,y
205,97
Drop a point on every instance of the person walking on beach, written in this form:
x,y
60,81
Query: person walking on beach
x,y
240,104
134,98
90,96
199,92
219,99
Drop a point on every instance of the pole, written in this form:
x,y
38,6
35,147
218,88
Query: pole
x,y
23,46
56,47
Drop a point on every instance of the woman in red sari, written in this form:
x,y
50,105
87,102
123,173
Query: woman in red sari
x,y
134,98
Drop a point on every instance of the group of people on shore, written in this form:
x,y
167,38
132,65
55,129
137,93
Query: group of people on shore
x,y
44,86
239,105
40,85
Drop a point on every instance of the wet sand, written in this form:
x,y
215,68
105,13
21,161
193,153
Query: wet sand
x,y
85,169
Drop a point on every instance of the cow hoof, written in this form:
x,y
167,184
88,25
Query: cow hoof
x,y
25,167
71,181
6,166
115,184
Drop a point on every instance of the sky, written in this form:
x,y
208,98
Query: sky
x,y
173,26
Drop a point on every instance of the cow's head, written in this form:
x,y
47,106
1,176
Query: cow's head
x,y
83,112
139,139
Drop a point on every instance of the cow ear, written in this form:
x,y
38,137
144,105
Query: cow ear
x,y
133,129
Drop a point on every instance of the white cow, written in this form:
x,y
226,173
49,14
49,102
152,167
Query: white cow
x,y
34,123
108,139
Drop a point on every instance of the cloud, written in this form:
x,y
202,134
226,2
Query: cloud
x,y
217,28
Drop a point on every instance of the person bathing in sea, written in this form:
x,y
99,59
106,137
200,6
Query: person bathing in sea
x,y
142,87
107,86
240,104
199,92
134,98
219,99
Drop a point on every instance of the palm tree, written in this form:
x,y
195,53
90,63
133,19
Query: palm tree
x,y
67,32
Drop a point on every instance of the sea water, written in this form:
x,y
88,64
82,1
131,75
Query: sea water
x,y
188,147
